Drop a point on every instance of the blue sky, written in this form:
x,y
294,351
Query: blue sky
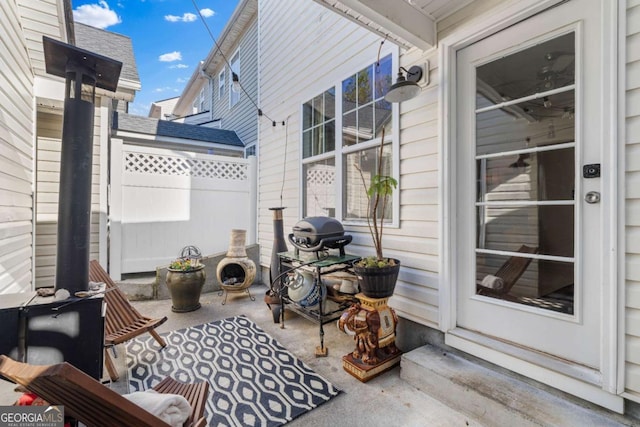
x,y
168,36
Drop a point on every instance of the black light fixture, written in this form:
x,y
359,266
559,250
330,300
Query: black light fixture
x,y
235,82
520,161
83,71
405,88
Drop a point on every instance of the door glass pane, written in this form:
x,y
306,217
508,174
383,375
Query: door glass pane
x,y
527,124
541,284
548,228
545,66
546,175
525,169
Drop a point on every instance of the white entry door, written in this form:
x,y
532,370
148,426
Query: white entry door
x,y
530,163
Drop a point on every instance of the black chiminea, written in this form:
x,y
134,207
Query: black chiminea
x,y
83,72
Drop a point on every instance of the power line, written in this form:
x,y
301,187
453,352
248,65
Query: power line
x,y
234,77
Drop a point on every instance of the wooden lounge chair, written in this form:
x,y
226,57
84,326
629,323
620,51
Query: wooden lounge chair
x,y
509,272
94,404
123,322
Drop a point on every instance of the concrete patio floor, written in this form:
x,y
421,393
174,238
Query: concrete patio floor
x,y
387,400
383,401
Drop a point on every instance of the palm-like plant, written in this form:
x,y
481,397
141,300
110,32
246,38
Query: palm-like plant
x,y
379,194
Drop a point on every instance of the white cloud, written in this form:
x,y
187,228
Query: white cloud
x,y
163,89
179,66
181,80
170,57
207,13
186,17
97,15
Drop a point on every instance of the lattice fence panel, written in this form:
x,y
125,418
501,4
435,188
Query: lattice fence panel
x,y
154,164
321,176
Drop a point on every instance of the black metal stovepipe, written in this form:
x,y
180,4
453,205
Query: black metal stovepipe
x,y
83,71
74,199
279,245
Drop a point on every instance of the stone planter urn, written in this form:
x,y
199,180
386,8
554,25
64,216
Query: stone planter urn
x,y
185,279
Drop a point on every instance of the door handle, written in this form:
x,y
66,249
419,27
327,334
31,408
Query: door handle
x,y
592,197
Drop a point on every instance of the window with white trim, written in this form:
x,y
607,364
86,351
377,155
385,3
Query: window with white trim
x,y
234,95
318,153
355,115
201,104
221,83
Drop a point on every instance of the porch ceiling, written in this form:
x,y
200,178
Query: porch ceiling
x,y
407,22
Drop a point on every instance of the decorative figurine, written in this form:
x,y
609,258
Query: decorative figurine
x,y
373,324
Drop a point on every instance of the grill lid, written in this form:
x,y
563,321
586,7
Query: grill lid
x,y
317,233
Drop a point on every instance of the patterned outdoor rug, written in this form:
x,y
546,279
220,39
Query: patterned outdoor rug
x,y
254,380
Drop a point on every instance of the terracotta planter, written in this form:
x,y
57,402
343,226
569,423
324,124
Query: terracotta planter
x,y
185,288
377,282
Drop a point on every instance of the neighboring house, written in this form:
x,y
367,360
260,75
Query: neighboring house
x,y
526,132
209,98
31,105
193,106
163,109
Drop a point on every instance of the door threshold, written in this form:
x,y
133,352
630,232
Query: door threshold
x,y
578,380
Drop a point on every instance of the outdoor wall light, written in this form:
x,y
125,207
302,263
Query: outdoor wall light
x,y
405,88
235,85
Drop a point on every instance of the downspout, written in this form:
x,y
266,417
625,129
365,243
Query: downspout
x,y
204,74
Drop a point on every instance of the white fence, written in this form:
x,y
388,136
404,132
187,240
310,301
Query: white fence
x,y
163,200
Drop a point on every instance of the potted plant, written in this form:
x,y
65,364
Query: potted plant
x,y
377,274
185,278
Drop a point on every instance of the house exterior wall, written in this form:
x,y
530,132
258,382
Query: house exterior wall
x,y
632,196
243,116
40,18
49,144
322,49
16,153
324,44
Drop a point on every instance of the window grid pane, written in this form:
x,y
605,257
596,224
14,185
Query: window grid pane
x,y
319,188
355,197
318,124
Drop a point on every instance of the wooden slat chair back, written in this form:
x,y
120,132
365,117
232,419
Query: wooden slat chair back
x,y
94,404
123,322
510,271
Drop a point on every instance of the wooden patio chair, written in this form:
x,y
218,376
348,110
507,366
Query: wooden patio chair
x,y
93,404
509,272
123,322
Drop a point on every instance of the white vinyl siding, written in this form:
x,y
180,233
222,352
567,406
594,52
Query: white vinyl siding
x,y
39,18
243,117
324,48
16,153
632,243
